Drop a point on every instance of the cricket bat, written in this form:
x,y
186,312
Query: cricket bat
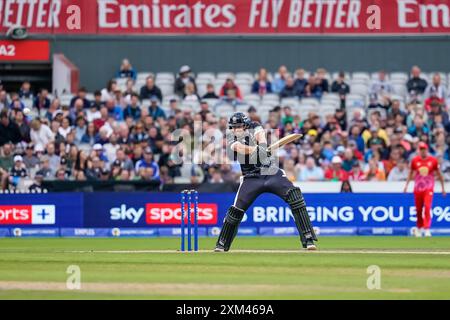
x,y
288,139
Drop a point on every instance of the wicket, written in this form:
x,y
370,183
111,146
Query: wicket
x,y
186,198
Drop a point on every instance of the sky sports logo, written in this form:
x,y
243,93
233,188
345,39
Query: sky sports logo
x,y
27,214
164,214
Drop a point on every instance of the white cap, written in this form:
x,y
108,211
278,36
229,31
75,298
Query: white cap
x,y
340,149
39,148
97,146
185,69
408,137
18,158
336,160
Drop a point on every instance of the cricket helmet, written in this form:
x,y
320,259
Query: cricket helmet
x,y
237,120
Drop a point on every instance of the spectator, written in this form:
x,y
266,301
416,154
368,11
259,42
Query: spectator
x,y
210,92
98,101
16,104
80,129
349,160
9,131
114,111
25,91
125,162
230,89
126,70
82,92
300,82
37,187
6,157
150,90
42,102
335,172
17,171
65,128
204,110
399,172
322,81
190,93
416,85
419,127
183,79
381,86
311,172
340,87
129,91
280,79
60,175
45,170
4,101
155,110
346,187
108,92
30,160
53,158
289,90
24,128
94,169
148,162
216,177
313,89
139,135
436,89
90,134
356,173
253,114
262,85
133,110
374,172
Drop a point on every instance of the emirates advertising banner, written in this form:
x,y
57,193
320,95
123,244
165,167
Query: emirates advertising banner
x,y
239,17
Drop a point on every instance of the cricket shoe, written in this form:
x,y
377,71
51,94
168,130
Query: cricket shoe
x,y
219,248
416,232
427,233
310,246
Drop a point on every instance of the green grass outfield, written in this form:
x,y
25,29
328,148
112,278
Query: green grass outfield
x,y
152,269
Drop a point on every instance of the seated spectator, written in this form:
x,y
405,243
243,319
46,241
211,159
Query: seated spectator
x,y
114,111
183,79
16,103
289,90
216,177
280,79
154,110
356,173
102,137
4,101
210,92
381,86
228,87
126,70
82,92
322,81
80,129
45,170
313,89
133,110
436,89
253,114
9,130
129,91
93,172
25,91
6,157
150,90
204,110
262,85
335,172
340,87
139,135
394,158
108,92
23,125
434,99
419,127
93,112
29,159
17,171
190,93
148,162
42,102
99,152
300,82
349,159
416,85
311,172
90,134
374,172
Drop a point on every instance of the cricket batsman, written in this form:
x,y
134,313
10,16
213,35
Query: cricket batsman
x,y
423,168
246,142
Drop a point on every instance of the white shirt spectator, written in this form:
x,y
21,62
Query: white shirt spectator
x,y
398,175
64,132
91,116
42,136
437,91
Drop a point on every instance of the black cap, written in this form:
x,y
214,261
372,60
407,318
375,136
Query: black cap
x,y
104,171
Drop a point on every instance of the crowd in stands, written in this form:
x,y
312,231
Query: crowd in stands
x,y
124,131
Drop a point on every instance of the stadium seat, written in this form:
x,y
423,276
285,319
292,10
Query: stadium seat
x,y
291,102
399,89
224,75
247,76
374,76
225,110
360,89
401,77
142,76
206,76
335,75
310,101
166,89
361,76
211,102
165,76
